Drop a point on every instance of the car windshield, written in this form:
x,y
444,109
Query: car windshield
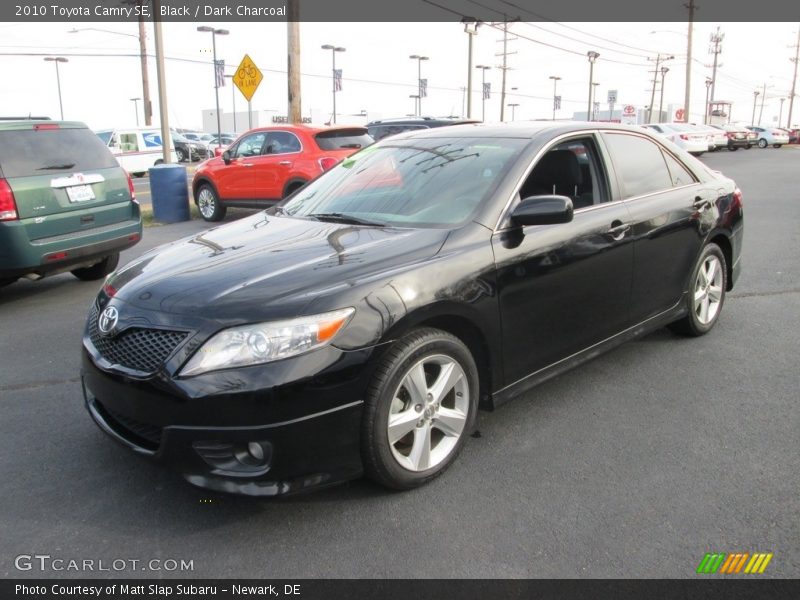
x,y
433,182
178,137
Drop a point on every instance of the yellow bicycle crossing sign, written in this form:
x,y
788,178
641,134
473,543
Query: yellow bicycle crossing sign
x,y
247,77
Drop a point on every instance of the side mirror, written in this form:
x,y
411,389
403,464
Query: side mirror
x,y
543,210
226,157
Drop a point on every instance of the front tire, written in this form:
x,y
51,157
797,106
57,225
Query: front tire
x,y
762,143
98,271
209,205
706,293
181,155
419,408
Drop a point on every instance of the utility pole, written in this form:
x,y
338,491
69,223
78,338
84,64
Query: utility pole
x,y
780,113
161,76
716,39
688,95
755,100
592,56
664,71
794,79
555,79
504,66
471,29
293,61
147,104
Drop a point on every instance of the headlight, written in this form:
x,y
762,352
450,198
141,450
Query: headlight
x,y
265,342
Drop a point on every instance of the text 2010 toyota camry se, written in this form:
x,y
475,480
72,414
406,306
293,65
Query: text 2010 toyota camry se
x,y
357,327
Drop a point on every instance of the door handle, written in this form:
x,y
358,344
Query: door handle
x,y
701,203
247,164
618,230
285,162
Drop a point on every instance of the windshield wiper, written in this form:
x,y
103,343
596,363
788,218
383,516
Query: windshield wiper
x,y
55,167
342,218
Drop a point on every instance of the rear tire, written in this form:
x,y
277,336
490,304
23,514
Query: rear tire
x,y
209,205
181,155
732,148
427,386
708,284
291,189
98,271
762,143
777,145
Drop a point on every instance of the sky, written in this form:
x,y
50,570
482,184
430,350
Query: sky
x,y
378,76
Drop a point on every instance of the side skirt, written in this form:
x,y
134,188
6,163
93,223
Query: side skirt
x,y
525,384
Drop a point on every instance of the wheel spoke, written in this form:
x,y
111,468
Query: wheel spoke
x,y
449,375
702,280
704,310
401,423
415,384
699,294
715,293
420,455
711,271
450,422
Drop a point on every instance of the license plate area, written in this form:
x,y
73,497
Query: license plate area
x,y
80,193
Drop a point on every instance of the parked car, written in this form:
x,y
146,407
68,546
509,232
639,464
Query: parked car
x,y
386,127
65,203
357,326
717,138
188,150
683,135
136,149
267,164
794,136
770,136
737,136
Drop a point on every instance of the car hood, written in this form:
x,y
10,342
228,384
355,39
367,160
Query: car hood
x,y
266,267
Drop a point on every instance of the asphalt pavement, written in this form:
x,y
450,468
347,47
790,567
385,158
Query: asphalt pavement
x,y
633,465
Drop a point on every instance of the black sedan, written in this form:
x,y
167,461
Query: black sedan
x,y
358,326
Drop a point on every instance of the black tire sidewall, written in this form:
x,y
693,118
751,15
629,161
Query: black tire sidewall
x,y
429,343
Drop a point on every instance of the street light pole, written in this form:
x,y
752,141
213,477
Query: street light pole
x,y
419,60
708,89
595,104
513,106
214,34
780,113
483,68
555,79
664,71
592,56
755,99
136,108
471,29
56,60
334,50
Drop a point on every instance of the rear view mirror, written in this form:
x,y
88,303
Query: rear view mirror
x,y
543,210
226,157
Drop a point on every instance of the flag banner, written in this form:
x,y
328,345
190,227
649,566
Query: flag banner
x,y
487,91
557,103
337,80
423,88
219,72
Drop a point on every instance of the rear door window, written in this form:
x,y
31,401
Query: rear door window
x,y
28,152
282,142
639,164
343,139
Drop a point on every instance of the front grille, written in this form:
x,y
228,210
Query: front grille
x,y
142,434
143,350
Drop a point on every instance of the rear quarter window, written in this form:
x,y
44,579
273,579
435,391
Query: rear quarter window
x,y
28,152
343,139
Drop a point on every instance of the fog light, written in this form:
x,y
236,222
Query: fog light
x,y
256,451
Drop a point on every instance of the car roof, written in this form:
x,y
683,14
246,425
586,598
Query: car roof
x,y
516,129
305,128
421,121
33,123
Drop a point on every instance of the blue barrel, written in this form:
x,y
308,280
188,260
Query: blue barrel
x,y
169,190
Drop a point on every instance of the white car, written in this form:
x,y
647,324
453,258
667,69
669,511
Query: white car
x,y
771,136
682,135
717,138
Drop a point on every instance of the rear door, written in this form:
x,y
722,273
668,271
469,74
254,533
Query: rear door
x,y
64,179
272,169
235,181
667,206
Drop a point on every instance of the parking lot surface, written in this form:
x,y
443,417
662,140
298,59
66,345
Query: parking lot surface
x,y
633,465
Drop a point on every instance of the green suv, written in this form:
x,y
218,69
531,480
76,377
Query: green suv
x,y
65,203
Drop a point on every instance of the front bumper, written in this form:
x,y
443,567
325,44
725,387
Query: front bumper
x,y
307,430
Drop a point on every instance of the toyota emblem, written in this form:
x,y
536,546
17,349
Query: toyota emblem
x,y
107,320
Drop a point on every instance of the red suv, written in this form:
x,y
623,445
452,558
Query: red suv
x,y
267,164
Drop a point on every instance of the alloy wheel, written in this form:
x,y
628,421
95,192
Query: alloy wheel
x,y
206,202
428,413
708,290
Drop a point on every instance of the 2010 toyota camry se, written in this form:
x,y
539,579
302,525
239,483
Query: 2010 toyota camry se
x,y
357,326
